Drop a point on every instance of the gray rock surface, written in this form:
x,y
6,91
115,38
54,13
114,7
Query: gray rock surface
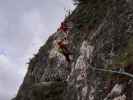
x,y
101,37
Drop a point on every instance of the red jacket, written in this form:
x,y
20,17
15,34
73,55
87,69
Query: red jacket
x,y
63,27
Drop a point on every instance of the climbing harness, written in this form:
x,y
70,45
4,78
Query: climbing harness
x,y
63,49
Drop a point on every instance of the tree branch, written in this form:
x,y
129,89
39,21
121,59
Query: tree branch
x,y
111,71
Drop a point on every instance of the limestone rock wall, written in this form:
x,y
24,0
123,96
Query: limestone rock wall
x,y
101,37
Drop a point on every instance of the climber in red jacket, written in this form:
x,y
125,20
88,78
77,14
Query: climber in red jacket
x,y
62,47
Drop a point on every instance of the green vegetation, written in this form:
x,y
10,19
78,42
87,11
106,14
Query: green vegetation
x,y
79,1
87,17
121,61
86,1
126,57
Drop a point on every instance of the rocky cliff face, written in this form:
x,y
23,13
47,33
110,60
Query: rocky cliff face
x,y
101,42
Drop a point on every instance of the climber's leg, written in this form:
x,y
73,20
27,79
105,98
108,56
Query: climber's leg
x,y
67,57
